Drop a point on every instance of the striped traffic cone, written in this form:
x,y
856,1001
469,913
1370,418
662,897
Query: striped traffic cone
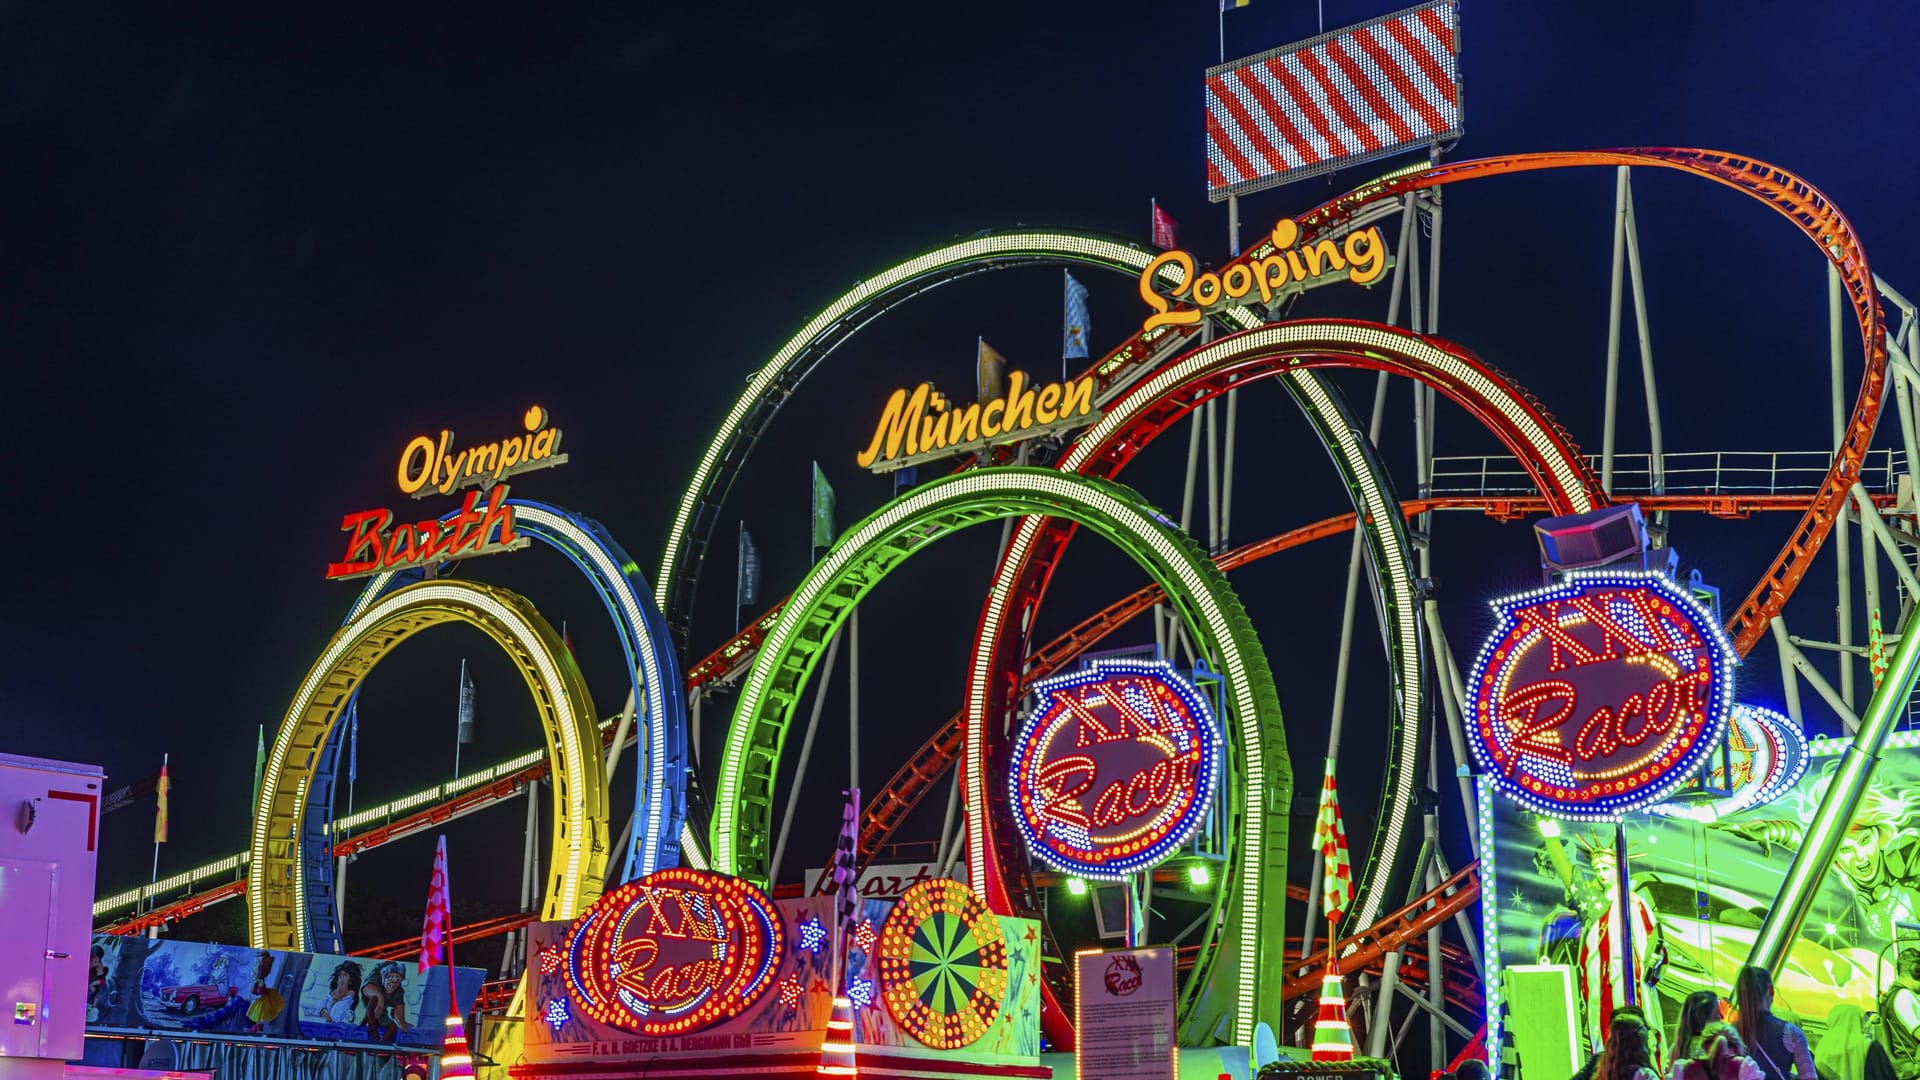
x,y
837,1050
455,1059
1332,1039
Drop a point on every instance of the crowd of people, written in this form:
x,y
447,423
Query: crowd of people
x,y
1745,1040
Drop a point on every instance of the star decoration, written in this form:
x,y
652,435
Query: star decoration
x,y
864,937
860,992
549,959
812,934
791,990
557,1013
1031,933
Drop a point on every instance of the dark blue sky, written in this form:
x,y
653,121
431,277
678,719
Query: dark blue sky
x,y
249,254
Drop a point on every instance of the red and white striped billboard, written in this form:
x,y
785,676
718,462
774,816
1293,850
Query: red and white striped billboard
x,y
1334,101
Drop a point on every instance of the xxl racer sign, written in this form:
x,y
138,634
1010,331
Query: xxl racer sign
x,y
1599,695
1114,768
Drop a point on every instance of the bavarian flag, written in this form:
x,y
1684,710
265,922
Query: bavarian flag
x,y
1075,333
1330,839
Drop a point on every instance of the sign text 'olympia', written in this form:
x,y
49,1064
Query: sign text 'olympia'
x,y
428,465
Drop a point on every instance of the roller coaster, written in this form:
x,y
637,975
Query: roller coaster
x,y
1146,385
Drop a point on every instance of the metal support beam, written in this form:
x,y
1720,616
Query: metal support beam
x,y
1354,562
1814,679
1453,1025
1871,520
806,750
1843,547
1613,328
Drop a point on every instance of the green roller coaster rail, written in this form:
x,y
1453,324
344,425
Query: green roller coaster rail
x,y
1251,903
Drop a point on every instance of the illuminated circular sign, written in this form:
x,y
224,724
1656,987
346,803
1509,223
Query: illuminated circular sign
x,y
943,964
1113,769
1599,695
1767,755
672,952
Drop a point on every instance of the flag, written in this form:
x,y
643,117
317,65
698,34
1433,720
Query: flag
x,y
353,740
259,760
746,578
846,875
989,374
905,479
1076,327
1330,839
1332,1038
436,934
1164,236
465,730
164,786
1228,5
566,642
822,510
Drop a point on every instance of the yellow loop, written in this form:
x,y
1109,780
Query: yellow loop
x,y
276,899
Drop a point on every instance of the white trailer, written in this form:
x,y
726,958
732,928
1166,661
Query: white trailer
x,y
49,830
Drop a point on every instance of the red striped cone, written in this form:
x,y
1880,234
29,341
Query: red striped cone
x,y
837,1050
455,1059
1332,1039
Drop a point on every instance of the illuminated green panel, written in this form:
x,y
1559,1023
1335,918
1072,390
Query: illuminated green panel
x,y
1253,898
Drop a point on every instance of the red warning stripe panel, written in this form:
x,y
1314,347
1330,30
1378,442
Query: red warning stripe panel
x,y
1334,101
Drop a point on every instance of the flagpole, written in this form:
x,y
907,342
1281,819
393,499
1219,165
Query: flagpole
x,y
461,694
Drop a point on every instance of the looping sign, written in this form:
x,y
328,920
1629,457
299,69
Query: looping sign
x,y
673,952
1599,695
1114,768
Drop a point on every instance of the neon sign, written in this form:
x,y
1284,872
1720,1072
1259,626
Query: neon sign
x,y
1599,695
375,543
1767,754
1114,768
428,465
924,424
672,952
943,964
1362,257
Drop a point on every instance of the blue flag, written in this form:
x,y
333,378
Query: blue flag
x,y
1076,323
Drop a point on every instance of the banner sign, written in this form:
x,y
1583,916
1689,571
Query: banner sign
x,y
188,986
881,881
1126,1007
924,425
1334,101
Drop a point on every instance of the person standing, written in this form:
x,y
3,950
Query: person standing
x,y
1629,1051
1779,1048
1701,1008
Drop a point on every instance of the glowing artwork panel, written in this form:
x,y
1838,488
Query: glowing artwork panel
x,y
672,952
1599,695
943,964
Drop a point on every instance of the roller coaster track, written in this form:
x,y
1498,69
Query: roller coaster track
x,y
883,816
1788,195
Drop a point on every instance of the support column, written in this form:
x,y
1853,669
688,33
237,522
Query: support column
x,y
1843,551
1613,328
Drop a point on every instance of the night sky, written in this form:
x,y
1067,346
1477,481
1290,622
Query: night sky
x,y
249,253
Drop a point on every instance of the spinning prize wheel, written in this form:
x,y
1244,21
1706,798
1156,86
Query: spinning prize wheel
x,y
943,964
